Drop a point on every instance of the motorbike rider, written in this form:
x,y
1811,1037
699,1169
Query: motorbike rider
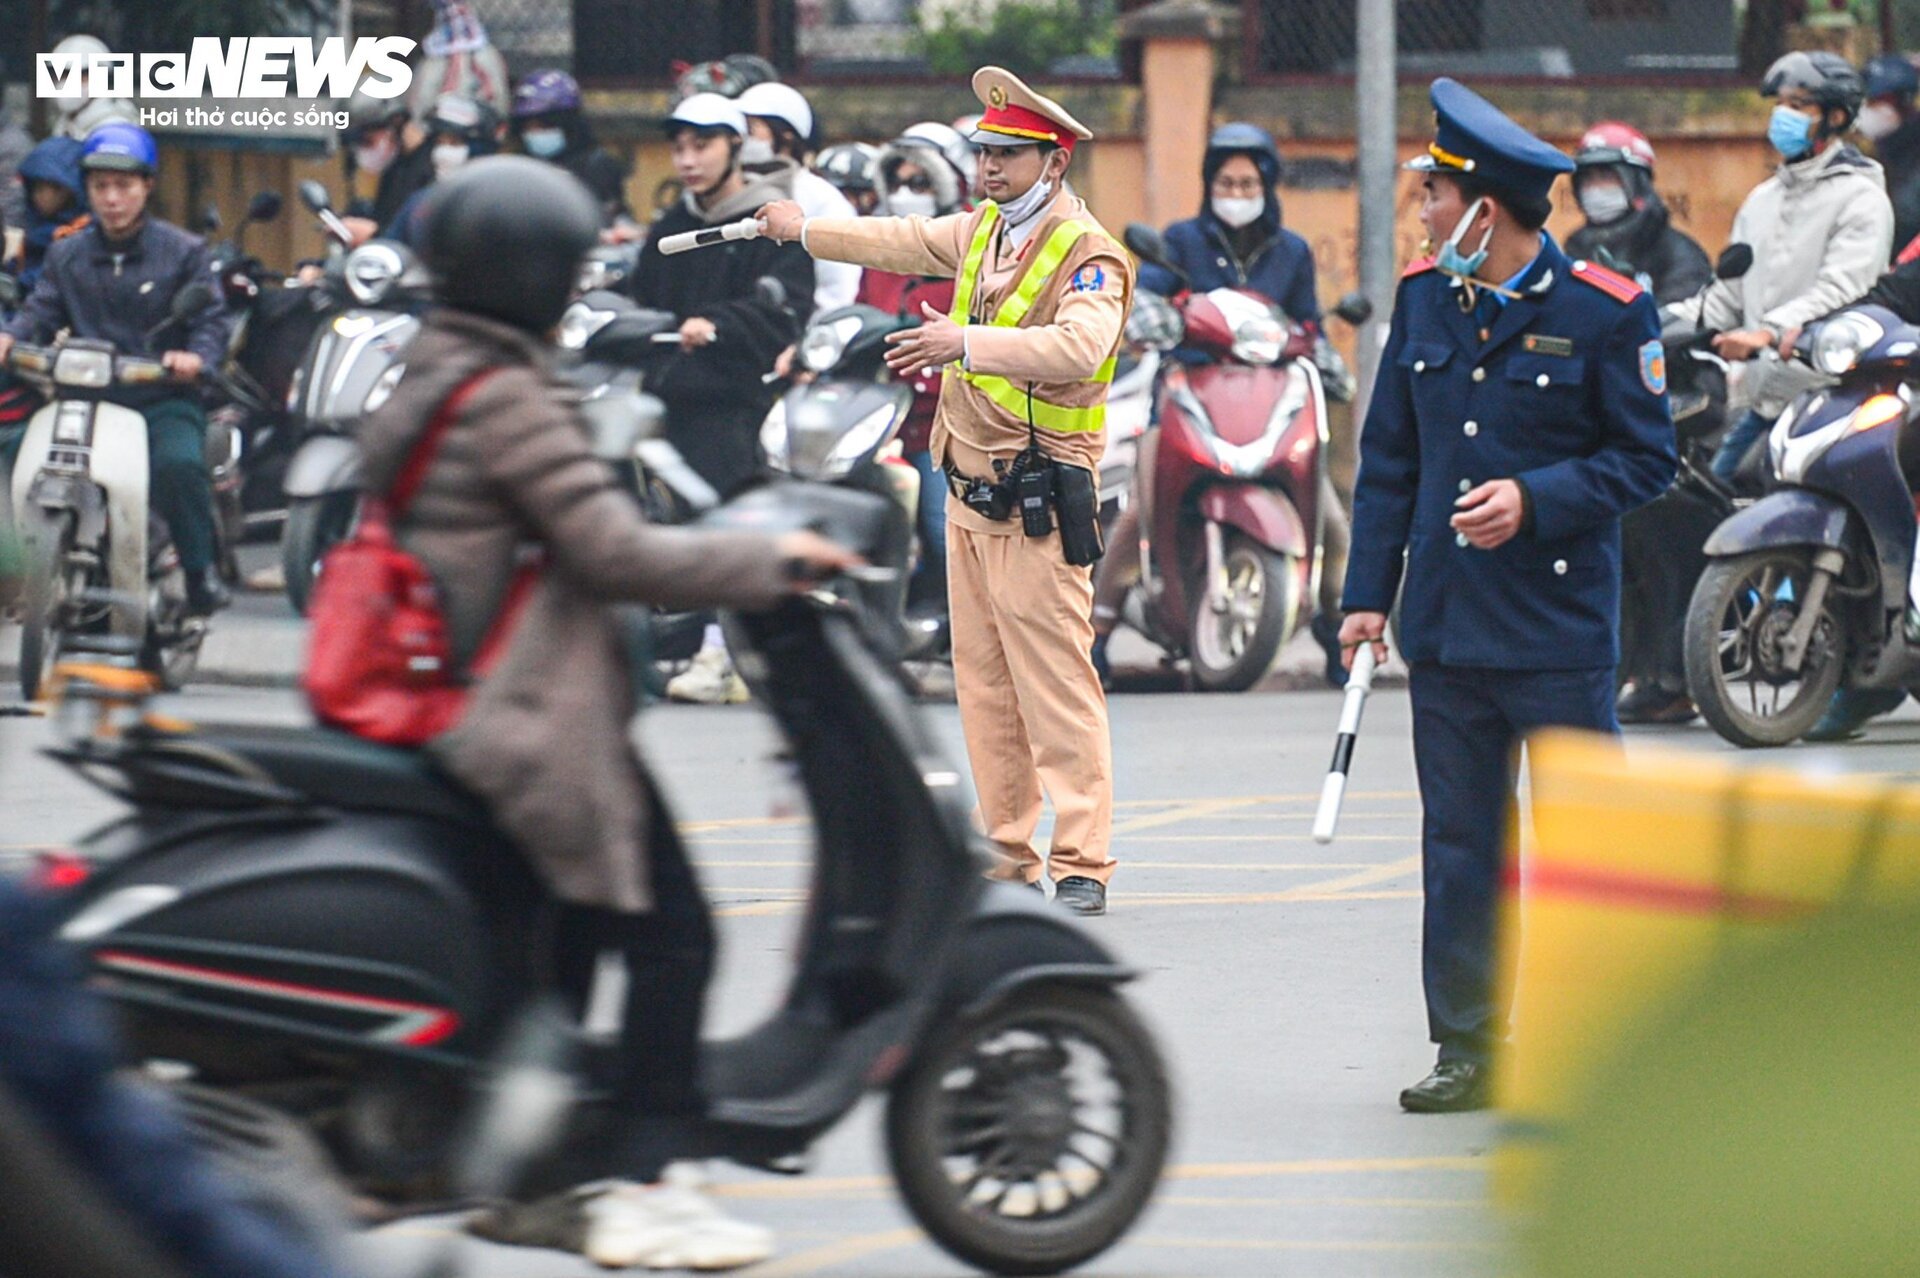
x,y
1239,240
386,141
715,386
544,741
849,168
550,125
1821,229
116,280
1630,230
1891,123
459,129
915,180
56,203
779,129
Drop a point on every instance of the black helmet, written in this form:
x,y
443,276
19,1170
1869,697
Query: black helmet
x,y
1829,79
1240,138
504,236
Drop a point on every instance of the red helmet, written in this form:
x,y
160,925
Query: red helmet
x,y
1611,142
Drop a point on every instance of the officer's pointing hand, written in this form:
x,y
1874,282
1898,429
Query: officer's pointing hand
x,y
1490,515
781,220
937,342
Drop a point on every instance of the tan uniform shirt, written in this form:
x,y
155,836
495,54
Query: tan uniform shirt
x,y
1075,324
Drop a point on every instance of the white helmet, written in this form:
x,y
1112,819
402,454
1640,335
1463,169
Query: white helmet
x,y
951,145
709,111
783,102
81,47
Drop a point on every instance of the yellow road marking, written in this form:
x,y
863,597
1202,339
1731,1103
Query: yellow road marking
x,y
818,1260
1195,811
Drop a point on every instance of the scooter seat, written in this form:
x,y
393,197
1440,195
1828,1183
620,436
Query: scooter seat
x,y
344,771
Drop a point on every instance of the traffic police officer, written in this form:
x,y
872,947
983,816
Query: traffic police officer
x,y
1040,302
1520,410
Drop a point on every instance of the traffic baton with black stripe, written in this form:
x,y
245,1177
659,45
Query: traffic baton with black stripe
x,y
1359,684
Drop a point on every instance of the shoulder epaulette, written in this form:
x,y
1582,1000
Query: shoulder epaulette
x,y
1418,266
1612,283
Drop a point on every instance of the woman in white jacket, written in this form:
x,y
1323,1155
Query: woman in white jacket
x,y
1821,229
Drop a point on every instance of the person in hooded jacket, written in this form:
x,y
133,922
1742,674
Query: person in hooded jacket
x,y
459,129
549,124
732,332
56,203
544,742
1891,123
1630,230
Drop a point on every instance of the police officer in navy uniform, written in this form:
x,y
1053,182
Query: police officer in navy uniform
x,y
1520,410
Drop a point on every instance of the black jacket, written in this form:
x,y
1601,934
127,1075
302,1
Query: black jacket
x,y
409,172
1899,154
1645,243
1898,290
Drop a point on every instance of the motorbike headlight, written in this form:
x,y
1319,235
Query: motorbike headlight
x,y
371,271
86,369
773,436
1842,340
1155,324
579,324
824,344
1259,341
867,434
351,326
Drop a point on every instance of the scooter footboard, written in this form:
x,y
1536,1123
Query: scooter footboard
x,y
1015,939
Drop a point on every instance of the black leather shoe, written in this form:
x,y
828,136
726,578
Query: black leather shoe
x,y
1081,894
1654,704
1454,1087
206,593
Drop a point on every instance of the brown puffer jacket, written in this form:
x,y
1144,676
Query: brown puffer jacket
x,y
544,741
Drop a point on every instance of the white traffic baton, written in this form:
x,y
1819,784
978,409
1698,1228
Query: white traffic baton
x,y
1359,684
747,228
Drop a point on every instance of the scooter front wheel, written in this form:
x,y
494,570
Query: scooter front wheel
x,y
46,592
1742,611
1234,647
315,525
1026,1139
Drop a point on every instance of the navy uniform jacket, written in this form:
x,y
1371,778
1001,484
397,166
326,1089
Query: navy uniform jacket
x,y
1567,396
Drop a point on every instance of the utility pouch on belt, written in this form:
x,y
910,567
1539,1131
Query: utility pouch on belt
x,y
1077,499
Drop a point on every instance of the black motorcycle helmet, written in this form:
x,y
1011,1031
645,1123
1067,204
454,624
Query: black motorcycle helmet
x,y
1240,138
1829,79
504,237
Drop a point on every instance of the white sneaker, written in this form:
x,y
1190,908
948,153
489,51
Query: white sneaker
x,y
671,1225
710,681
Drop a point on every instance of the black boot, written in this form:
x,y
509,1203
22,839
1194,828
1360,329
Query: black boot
x,y
206,593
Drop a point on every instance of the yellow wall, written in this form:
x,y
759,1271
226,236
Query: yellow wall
x,y
192,177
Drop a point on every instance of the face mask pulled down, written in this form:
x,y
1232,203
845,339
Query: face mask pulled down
x,y
1020,210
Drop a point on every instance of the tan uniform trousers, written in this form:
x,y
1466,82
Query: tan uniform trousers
x,y
1031,706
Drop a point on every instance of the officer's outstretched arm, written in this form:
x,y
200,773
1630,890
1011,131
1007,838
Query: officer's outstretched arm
x,y
908,245
1635,461
1389,480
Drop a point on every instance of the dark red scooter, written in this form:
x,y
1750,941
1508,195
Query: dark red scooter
x,y
1230,526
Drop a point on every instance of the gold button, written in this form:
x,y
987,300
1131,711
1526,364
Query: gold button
x,y
1479,374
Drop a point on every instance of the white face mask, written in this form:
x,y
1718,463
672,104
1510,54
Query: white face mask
x,y
1024,207
447,158
1604,203
1240,211
904,203
1877,119
756,151
374,157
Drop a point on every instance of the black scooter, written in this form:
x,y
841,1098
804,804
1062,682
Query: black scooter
x,y
301,915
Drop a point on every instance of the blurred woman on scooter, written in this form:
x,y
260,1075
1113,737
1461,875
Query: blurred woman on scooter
x,y
543,742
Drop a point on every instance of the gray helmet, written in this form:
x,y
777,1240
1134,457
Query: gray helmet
x,y
1828,78
366,113
504,236
849,166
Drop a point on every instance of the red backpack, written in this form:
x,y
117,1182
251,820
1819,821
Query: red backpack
x,y
379,663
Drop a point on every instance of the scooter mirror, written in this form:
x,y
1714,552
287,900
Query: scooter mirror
x,y
264,207
1147,244
1735,261
1354,308
210,218
314,196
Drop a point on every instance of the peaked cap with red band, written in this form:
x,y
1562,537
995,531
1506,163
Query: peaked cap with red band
x,y
1015,115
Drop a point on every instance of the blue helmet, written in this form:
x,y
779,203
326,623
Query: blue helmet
x,y
1240,138
1891,76
121,148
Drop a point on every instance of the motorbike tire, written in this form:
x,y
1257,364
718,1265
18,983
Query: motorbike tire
x,y
1718,590
39,637
925,1129
1273,608
314,526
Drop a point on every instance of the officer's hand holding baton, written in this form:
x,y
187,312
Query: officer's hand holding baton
x,y
1363,637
